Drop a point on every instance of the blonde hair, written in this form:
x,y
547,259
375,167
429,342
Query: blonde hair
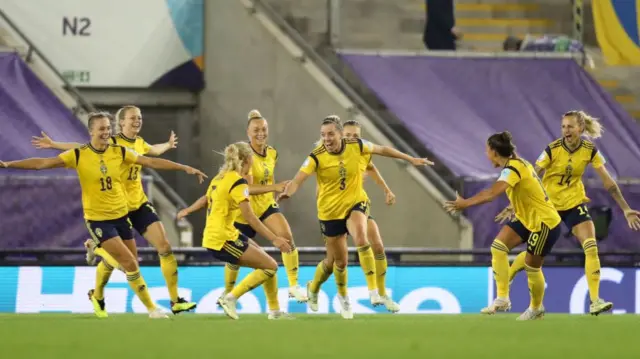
x,y
122,112
592,126
235,155
254,115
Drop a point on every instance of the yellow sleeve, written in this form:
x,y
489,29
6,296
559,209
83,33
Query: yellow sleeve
x,y
597,159
129,156
239,191
366,147
145,147
70,158
310,165
544,160
511,175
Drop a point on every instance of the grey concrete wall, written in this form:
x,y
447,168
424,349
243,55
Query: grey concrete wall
x,y
246,68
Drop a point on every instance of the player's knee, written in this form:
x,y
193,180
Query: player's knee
x,y
498,248
340,263
129,264
533,261
360,237
271,264
163,247
377,246
590,247
328,262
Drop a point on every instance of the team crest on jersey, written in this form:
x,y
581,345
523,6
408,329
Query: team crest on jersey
x,y
103,167
569,169
98,232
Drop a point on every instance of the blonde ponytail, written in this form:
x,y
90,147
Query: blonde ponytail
x,y
235,155
592,126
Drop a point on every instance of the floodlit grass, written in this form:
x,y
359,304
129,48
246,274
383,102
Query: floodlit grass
x,y
69,336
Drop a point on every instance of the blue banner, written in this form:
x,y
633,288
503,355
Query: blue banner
x,y
64,289
418,290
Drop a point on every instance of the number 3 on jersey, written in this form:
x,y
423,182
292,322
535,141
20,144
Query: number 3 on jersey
x,y
105,184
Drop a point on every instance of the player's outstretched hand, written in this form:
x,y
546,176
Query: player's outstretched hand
x,y
42,142
456,206
282,186
390,198
173,140
633,219
3,164
182,214
505,215
421,162
282,244
197,172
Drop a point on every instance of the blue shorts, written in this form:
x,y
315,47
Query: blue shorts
x,y
574,216
538,243
103,230
143,217
231,251
247,230
338,227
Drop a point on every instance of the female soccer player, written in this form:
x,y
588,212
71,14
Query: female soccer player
x,y
564,162
352,130
142,214
98,164
342,205
228,198
538,223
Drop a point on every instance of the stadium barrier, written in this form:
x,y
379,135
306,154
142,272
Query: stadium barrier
x,y
418,290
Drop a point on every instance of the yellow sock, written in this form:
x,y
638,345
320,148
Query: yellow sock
x,y
517,266
368,264
592,268
322,274
381,273
341,278
291,263
107,257
536,286
169,267
139,287
251,281
500,266
103,273
270,287
230,276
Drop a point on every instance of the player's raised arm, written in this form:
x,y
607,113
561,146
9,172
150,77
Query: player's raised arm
x,y
387,151
46,142
160,148
162,164
255,223
372,171
632,216
199,204
255,189
309,166
34,163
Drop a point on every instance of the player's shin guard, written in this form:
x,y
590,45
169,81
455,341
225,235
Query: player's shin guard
x,y
500,266
230,276
291,264
517,266
139,287
251,281
381,273
322,274
270,287
340,275
592,268
536,286
368,264
169,267
103,273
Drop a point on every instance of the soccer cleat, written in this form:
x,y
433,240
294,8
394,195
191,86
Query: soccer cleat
x,y
312,298
600,306
296,292
158,314
229,307
498,305
220,297
182,306
532,314
90,257
345,305
391,306
99,307
375,298
278,314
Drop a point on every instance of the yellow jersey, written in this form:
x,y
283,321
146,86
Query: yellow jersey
x,y
131,174
527,196
339,177
224,195
364,163
103,194
262,170
564,169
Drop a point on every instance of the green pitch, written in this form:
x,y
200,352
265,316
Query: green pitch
x,y
71,336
